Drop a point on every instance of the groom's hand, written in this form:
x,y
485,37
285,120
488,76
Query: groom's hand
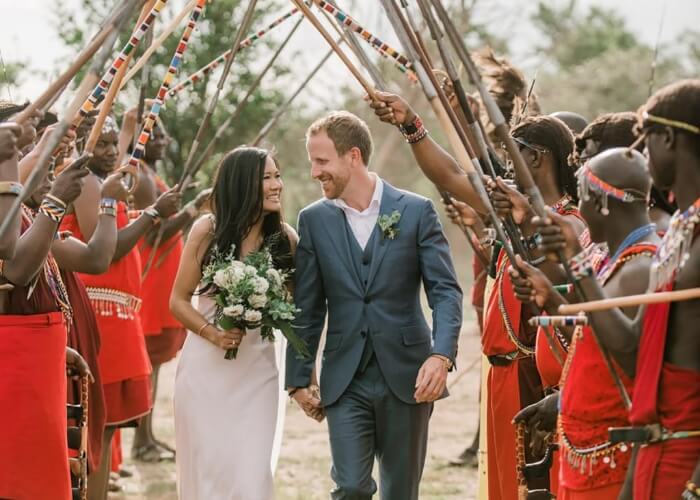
x,y
309,402
431,380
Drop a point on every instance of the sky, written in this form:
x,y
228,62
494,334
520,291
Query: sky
x,y
31,36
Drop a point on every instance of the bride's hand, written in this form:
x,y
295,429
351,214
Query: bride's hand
x,y
224,339
309,402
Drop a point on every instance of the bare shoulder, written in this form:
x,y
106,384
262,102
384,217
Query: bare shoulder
x,y
634,275
202,229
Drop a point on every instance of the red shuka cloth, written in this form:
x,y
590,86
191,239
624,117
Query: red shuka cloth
x,y
669,395
84,337
548,365
590,403
123,355
33,422
510,388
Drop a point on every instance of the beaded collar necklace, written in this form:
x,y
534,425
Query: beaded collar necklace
x,y
561,206
674,250
588,182
633,237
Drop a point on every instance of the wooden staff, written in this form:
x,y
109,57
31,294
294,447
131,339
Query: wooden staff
x,y
334,45
243,102
631,301
265,130
91,78
61,83
187,170
158,42
521,170
111,95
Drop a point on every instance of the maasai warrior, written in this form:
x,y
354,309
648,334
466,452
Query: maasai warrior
x,y
574,121
115,296
93,257
614,191
617,130
513,381
666,402
34,316
9,185
164,334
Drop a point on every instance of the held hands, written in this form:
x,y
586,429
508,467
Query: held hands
x,y
541,419
533,287
558,234
9,137
508,200
76,366
169,202
431,381
391,108
113,187
457,210
309,401
69,183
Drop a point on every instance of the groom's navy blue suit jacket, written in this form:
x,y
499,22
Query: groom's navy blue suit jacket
x,y
329,280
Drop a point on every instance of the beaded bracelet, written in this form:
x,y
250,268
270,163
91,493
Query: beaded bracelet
x,y
581,266
13,188
416,136
108,206
51,210
57,201
153,213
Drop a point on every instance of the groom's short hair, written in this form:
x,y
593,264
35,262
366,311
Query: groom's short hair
x,y
346,131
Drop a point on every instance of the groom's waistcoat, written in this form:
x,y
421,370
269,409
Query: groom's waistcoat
x,y
374,295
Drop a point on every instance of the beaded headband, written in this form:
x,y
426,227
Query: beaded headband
x,y
588,181
529,145
670,123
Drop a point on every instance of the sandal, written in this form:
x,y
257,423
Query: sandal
x,y
151,453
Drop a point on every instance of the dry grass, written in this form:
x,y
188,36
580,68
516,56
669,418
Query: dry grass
x,y
303,472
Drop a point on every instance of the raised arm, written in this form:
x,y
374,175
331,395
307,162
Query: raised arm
x,y
9,133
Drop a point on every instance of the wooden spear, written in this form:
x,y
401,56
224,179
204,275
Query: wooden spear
x,y
86,85
61,83
521,170
204,125
630,301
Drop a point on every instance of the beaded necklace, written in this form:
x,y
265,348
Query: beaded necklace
x,y
674,250
562,207
633,237
52,274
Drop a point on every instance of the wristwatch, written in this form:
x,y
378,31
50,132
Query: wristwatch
x,y
448,362
411,128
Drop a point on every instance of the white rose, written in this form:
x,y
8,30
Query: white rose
x,y
236,274
257,301
234,311
261,285
251,271
252,316
221,278
274,275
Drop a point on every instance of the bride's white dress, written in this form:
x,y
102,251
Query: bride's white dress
x,y
229,416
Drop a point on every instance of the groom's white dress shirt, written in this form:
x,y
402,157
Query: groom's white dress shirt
x,y
362,223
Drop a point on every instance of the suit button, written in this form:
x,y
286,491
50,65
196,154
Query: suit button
x,y
367,300
365,261
363,334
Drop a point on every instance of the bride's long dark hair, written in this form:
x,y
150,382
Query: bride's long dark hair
x,y
237,204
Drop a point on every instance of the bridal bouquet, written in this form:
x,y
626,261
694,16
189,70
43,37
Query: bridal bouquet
x,y
251,293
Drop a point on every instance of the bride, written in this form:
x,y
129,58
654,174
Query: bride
x,y
229,413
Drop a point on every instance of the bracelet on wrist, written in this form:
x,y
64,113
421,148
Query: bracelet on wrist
x,y
201,329
52,210
12,188
56,200
581,265
447,361
414,131
108,206
152,212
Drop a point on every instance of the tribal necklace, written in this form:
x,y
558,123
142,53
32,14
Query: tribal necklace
x,y
633,237
674,250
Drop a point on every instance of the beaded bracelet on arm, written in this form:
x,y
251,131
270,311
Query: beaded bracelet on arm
x,y
52,209
153,213
11,188
581,266
415,131
108,206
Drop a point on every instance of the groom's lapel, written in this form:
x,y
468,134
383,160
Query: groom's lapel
x,y
334,224
391,200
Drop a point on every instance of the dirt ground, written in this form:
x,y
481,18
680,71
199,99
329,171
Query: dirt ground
x,y
303,471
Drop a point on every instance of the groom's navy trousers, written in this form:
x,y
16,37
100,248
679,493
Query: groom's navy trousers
x,y
377,337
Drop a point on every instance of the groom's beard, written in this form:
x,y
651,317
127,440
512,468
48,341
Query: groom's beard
x,y
333,187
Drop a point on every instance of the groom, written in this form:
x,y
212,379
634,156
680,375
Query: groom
x,y
363,252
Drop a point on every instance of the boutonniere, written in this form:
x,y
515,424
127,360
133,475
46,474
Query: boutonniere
x,y
388,223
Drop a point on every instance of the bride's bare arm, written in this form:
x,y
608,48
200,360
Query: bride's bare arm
x,y
188,277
